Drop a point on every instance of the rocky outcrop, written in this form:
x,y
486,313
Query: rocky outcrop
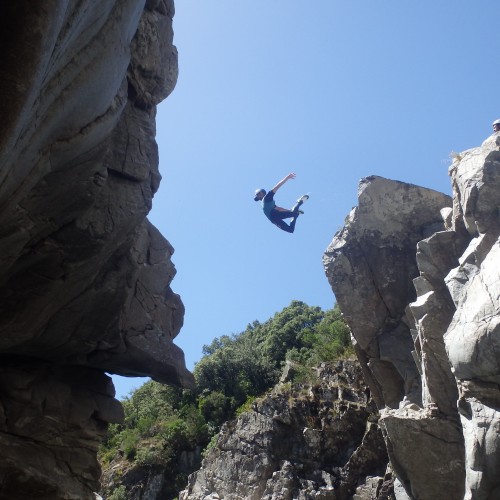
x,y
424,346
319,441
84,277
472,338
53,419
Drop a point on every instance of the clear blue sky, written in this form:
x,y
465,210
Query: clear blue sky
x,y
334,90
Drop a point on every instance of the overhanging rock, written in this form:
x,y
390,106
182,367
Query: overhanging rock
x,y
84,277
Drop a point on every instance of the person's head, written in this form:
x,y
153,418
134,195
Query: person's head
x,y
259,194
496,126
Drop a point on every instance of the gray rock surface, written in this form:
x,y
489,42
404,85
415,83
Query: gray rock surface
x,y
297,443
52,421
438,449
84,277
370,265
472,337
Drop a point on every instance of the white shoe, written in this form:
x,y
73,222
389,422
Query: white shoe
x,y
303,198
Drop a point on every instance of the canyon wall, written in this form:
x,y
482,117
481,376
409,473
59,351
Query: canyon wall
x,y
84,277
416,274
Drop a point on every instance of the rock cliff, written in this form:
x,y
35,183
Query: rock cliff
x,y
84,277
417,277
300,442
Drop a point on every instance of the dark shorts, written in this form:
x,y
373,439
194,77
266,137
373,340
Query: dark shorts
x,y
277,217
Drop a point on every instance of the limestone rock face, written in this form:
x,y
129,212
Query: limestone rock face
x,y
315,442
443,332
84,277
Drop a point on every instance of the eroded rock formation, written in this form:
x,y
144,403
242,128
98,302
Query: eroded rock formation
x,y
312,442
84,277
429,350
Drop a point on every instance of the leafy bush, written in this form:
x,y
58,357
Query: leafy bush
x,y
210,445
129,442
246,406
328,340
215,407
119,493
155,453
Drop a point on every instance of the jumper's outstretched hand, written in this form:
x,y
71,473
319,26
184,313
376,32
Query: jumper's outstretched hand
x,y
282,181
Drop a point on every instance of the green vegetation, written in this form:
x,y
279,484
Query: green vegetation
x,y
165,423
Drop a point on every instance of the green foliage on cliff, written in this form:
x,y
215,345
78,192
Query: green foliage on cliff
x,y
246,365
328,340
169,427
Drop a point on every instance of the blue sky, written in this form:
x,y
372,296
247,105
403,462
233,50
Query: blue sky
x,y
333,90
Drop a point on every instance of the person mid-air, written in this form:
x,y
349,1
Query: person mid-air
x,y
276,214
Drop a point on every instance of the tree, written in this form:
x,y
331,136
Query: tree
x,y
250,363
284,331
328,340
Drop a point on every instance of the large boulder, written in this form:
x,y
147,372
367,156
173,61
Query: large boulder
x,y
372,264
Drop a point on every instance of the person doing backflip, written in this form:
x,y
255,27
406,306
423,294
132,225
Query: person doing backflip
x,y
277,214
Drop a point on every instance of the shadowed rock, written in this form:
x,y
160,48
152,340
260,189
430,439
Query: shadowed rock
x,y
311,442
84,277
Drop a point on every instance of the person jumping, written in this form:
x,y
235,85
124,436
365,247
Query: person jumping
x,y
277,214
